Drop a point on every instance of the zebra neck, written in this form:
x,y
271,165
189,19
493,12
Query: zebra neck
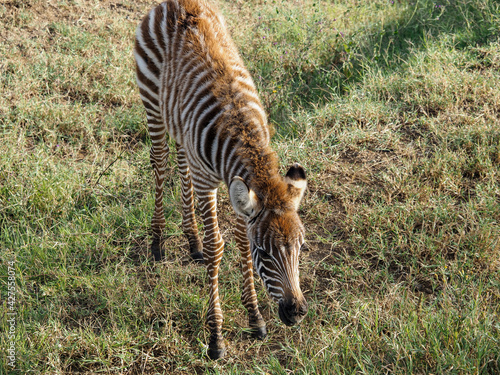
x,y
259,169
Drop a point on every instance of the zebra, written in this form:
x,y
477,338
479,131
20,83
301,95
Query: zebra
x,y
196,89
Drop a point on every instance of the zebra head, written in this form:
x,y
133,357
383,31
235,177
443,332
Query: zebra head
x,y
276,236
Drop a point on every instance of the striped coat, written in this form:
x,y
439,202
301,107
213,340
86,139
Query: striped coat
x,y
195,88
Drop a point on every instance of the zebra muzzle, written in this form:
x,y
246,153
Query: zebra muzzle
x,y
292,311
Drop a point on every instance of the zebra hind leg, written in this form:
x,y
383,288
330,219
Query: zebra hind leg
x,y
189,226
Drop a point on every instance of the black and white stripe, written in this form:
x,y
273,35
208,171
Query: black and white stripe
x,y
194,86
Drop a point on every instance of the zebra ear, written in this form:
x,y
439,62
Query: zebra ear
x,y
243,199
297,183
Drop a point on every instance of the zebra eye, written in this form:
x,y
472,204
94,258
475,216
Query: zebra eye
x,y
262,253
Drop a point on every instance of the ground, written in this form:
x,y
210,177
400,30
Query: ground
x,y
392,107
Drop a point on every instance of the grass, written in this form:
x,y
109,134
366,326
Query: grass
x,y
392,107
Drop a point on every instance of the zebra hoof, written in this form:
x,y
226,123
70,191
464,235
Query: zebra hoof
x,y
259,332
197,257
157,251
216,353
158,255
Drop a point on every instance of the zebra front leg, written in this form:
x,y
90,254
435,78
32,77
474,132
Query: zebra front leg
x,y
213,248
189,226
249,297
158,156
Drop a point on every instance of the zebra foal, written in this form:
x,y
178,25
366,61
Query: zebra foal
x,y
194,86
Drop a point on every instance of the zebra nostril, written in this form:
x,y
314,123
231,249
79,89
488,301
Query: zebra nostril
x,y
303,309
298,306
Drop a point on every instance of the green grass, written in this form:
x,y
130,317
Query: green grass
x,y
392,107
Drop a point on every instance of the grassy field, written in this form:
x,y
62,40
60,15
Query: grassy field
x,y
393,107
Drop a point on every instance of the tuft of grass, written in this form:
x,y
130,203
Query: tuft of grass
x,y
392,107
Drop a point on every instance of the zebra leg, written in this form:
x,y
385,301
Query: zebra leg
x,y
213,248
158,156
189,226
249,297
